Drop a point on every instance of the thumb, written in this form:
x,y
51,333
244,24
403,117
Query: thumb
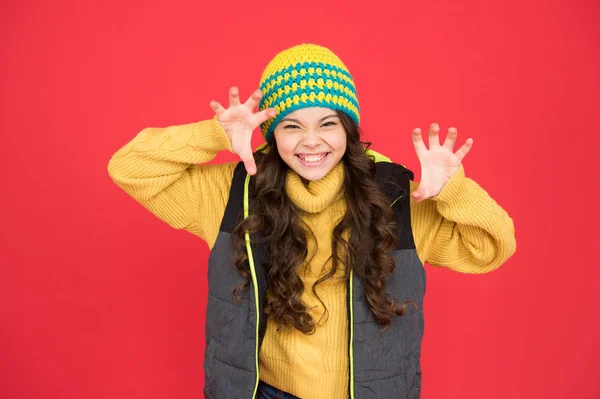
x,y
248,158
418,194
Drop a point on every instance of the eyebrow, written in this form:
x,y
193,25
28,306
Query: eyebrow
x,y
297,121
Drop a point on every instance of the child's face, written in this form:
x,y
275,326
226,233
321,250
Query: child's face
x,y
311,141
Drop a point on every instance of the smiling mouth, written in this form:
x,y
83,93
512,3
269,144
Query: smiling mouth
x,y
308,158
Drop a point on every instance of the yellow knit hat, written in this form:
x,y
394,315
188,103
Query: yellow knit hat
x,y
306,75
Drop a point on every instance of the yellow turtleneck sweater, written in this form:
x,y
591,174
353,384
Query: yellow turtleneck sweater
x,y
314,366
166,171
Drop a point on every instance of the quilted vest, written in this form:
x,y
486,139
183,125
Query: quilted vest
x,y
381,366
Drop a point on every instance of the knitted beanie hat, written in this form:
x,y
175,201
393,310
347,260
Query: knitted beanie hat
x,y
306,75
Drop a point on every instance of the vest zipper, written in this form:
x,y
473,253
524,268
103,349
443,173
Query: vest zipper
x,y
254,282
351,336
396,200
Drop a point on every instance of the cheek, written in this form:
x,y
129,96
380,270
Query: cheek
x,y
339,142
286,148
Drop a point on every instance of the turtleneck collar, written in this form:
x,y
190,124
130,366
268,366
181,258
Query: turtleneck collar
x,y
317,195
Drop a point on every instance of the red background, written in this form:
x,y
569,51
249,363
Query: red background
x,y
100,299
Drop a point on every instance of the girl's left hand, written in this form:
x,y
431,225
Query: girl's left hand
x,y
439,163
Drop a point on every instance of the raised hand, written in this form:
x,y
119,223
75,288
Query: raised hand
x,y
439,163
239,121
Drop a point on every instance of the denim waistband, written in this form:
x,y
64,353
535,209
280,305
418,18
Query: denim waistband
x,y
266,391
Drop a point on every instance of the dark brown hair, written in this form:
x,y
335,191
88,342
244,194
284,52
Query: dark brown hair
x,y
369,220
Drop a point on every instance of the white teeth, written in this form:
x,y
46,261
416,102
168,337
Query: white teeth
x,y
313,158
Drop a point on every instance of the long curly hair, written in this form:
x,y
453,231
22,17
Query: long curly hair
x,y
369,223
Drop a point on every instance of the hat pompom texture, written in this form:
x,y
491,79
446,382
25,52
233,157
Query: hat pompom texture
x,y
306,75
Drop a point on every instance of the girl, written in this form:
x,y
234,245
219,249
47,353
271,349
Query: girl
x,y
315,276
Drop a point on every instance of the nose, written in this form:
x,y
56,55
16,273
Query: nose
x,y
311,138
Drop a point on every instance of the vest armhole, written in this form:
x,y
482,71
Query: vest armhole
x,y
235,204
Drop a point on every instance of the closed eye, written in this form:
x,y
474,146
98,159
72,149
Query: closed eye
x,y
330,123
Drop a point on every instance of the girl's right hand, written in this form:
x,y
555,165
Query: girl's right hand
x,y
239,121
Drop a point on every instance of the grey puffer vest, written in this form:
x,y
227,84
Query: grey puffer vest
x,y
381,366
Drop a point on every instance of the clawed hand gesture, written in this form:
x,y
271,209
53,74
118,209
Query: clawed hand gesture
x,y
438,163
239,121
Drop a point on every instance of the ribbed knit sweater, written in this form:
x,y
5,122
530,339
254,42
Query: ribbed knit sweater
x,y
166,171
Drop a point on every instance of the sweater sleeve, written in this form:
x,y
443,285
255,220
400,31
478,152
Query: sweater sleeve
x,y
462,228
166,171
